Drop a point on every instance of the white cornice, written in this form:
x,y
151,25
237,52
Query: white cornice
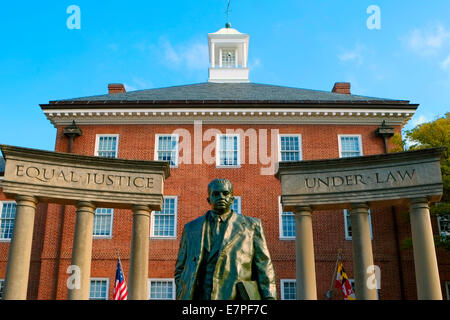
x,y
229,115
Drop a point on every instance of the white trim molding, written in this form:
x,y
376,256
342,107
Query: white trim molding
x,y
176,115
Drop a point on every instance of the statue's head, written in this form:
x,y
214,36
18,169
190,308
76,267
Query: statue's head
x,y
220,195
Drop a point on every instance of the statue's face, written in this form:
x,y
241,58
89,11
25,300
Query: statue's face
x,y
221,198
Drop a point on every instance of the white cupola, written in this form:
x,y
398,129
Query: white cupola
x,y
228,52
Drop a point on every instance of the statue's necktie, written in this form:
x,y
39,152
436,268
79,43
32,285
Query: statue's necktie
x,y
217,228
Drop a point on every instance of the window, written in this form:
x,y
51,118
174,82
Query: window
x,y
348,225
7,218
2,288
290,147
164,221
161,289
103,222
99,289
287,223
107,146
227,151
350,146
288,289
166,149
228,58
236,206
447,289
444,225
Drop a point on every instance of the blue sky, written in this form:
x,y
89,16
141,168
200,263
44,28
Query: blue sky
x,y
150,44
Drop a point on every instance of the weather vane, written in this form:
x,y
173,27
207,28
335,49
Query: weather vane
x,y
228,14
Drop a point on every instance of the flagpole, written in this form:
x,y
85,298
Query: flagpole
x,y
329,293
120,262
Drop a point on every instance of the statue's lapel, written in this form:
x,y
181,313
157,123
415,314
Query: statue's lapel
x,y
198,232
236,225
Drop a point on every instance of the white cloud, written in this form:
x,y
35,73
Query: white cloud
x,y
138,84
193,56
255,63
355,55
446,63
420,120
429,40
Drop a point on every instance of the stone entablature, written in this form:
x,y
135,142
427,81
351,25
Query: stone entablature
x,y
67,178
386,179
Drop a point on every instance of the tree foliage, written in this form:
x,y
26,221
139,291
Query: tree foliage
x,y
431,135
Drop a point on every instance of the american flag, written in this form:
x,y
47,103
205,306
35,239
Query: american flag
x,y
120,286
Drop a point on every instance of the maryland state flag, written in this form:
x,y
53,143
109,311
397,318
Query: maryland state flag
x,y
343,283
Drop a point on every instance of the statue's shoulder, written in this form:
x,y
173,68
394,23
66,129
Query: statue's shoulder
x,y
252,221
195,223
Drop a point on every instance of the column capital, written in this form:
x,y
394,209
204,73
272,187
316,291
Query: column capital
x,y
419,202
87,205
139,209
30,201
360,207
303,210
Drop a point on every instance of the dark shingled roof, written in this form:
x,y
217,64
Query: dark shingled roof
x,y
232,92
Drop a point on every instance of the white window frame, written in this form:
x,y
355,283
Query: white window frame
x,y
439,224
238,200
177,137
152,224
97,143
1,210
347,237
350,135
2,288
221,56
218,145
280,222
110,228
107,288
161,280
282,284
299,141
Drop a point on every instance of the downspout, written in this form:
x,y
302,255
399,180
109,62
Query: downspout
x,y
386,132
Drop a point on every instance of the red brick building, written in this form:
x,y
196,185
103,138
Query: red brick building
x,y
231,128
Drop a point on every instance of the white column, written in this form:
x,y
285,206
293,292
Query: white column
x,y
305,264
425,262
18,267
138,273
213,54
82,249
362,252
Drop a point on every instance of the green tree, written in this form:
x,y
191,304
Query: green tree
x,y
430,135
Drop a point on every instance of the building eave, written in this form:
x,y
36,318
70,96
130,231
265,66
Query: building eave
x,y
250,114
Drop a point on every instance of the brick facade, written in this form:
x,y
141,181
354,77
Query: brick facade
x,y
54,224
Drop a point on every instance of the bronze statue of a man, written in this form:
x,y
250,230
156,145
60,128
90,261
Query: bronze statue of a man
x,y
223,252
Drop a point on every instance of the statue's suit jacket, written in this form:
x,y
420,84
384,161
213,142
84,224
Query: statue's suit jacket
x,y
243,256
